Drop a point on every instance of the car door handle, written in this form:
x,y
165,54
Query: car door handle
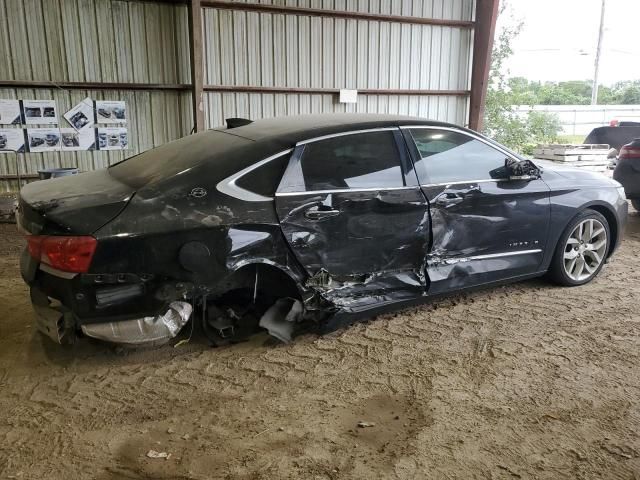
x,y
447,199
320,212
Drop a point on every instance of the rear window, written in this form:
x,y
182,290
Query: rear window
x,y
175,157
265,179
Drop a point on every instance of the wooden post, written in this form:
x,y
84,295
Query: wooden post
x,y
197,70
485,26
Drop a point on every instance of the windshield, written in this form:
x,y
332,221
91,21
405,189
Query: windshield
x,y
175,157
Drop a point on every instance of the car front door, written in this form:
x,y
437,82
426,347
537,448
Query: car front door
x,y
485,226
355,217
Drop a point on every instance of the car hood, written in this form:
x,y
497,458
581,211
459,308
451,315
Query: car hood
x,y
574,176
77,204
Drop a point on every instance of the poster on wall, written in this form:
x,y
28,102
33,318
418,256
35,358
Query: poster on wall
x,y
73,141
40,112
43,139
80,117
10,112
113,138
11,140
111,111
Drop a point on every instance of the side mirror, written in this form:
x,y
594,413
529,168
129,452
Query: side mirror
x,y
521,169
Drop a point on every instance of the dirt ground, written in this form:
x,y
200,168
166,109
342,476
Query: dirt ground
x,y
525,381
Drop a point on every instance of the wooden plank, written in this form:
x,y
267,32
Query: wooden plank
x,y
486,15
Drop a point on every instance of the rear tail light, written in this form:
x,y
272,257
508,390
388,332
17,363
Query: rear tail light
x,y
69,254
629,152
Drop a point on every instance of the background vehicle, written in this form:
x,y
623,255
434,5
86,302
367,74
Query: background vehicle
x,y
301,220
627,171
3,141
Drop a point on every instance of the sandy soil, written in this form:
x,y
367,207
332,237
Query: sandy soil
x,y
525,381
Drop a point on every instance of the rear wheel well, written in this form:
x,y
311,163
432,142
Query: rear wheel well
x,y
260,279
613,224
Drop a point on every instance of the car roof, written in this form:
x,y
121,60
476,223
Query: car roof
x,y
293,129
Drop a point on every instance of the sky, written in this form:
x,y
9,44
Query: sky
x,y
558,40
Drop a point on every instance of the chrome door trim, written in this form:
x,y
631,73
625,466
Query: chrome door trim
x,y
490,256
342,134
445,184
228,185
347,190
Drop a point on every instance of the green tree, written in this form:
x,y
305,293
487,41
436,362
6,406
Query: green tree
x,y
501,121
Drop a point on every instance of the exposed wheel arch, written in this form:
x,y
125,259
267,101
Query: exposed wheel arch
x,y
266,277
611,219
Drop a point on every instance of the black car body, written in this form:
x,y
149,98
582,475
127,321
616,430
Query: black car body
x,y
343,215
627,171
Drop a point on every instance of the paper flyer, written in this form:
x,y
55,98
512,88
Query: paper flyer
x,y
111,111
10,112
43,139
81,116
40,112
74,141
113,138
11,140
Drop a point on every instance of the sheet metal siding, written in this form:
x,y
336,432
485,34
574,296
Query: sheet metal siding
x,y
98,41
264,49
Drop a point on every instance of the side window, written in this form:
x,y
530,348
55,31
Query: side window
x,y
362,160
264,179
447,156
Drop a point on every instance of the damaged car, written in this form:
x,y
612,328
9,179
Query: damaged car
x,y
298,224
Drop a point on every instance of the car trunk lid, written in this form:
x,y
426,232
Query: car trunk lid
x,y
78,204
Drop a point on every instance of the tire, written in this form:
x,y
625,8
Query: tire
x,y
582,240
636,204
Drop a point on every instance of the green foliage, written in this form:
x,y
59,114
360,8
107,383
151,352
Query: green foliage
x,y
576,92
521,133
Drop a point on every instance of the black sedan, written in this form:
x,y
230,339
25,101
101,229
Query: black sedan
x,y
302,223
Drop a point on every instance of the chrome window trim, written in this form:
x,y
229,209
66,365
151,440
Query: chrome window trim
x,y
228,185
347,190
342,134
446,184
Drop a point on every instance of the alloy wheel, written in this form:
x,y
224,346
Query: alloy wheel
x,y
585,250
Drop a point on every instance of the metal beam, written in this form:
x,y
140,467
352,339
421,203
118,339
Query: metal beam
x,y
92,85
366,91
486,15
316,12
197,68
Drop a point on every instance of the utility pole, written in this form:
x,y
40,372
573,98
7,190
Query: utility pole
x,y
594,88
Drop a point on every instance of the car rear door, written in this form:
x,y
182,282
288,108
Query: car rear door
x,y
485,226
352,211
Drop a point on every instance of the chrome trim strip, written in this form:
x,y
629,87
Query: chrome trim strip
x,y
345,190
444,184
57,273
342,134
228,185
462,132
454,260
505,254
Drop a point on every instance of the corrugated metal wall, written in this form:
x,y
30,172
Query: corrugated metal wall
x,y
145,42
246,48
98,41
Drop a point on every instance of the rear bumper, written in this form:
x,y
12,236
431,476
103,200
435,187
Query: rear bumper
x,y
626,173
52,318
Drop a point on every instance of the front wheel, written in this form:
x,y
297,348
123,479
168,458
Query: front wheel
x,y
582,249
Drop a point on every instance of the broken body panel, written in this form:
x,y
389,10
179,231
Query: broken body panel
x,y
169,229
